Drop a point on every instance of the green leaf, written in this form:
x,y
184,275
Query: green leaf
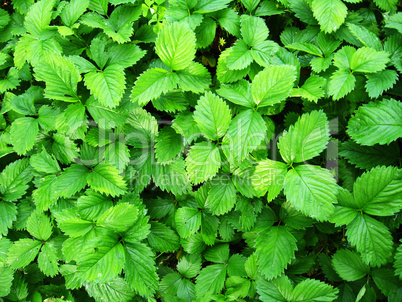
x,y
23,134
205,33
92,205
366,157
171,177
11,81
174,101
366,37
105,178
311,190
263,51
114,290
311,90
189,265
71,181
168,145
119,218
306,139
376,123
38,225
43,162
203,162
306,47
314,290
152,84
103,116
398,261
240,56
212,116
253,30
208,6
124,55
244,135
175,45
371,238
330,14
162,238
343,57
23,252
211,279
8,214
38,17
229,20
269,176
349,265
14,179
238,93
273,84
276,290
275,248
107,85
380,81
379,191
394,21
195,77
71,224
6,280
388,5
140,269
224,74
218,254
61,77
368,60
48,260
293,218
188,221
222,195
250,5
386,281
341,83
73,10
45,196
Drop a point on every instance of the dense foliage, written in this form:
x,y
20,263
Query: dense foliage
x,y
200,150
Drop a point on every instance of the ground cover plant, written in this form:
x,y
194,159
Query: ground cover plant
x,y
200,150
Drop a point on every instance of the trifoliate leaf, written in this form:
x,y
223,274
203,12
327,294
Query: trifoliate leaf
x,y
379,191
23,134
189,265
152,84
371,238
275,248
311,190
203,162
311,89
168,145
119,218
140,268
380,81
329,14
349,265
222,195
341,83
244,135
195,77
61,77
239,57
366,157
306,139
376,123
38,225
238,93
107,85
69,222
224,74
211,279
212,116
273,85
269,176
188,221
175,45
72,180
106,179
162,238
368,60
23,252
92,205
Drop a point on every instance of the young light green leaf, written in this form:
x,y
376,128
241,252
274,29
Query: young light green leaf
x,y
92,205
23,252
23,134
175,45
212,116
366,37
371,238
253,30
376,123
8,214
105,178
203,162
330,14
119,218
311,89
380,81
38,225
14,179
273,84
306,47
239,57
72,180
312,190
43,162
341,83
115,290
38,17
211,279
275,248
6,280
349,265
275,290
314,290
368,60
238,93
195,77
69,222
188,221
48,260
73,10
306,139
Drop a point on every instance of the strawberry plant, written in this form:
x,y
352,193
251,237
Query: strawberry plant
x,y
200,150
